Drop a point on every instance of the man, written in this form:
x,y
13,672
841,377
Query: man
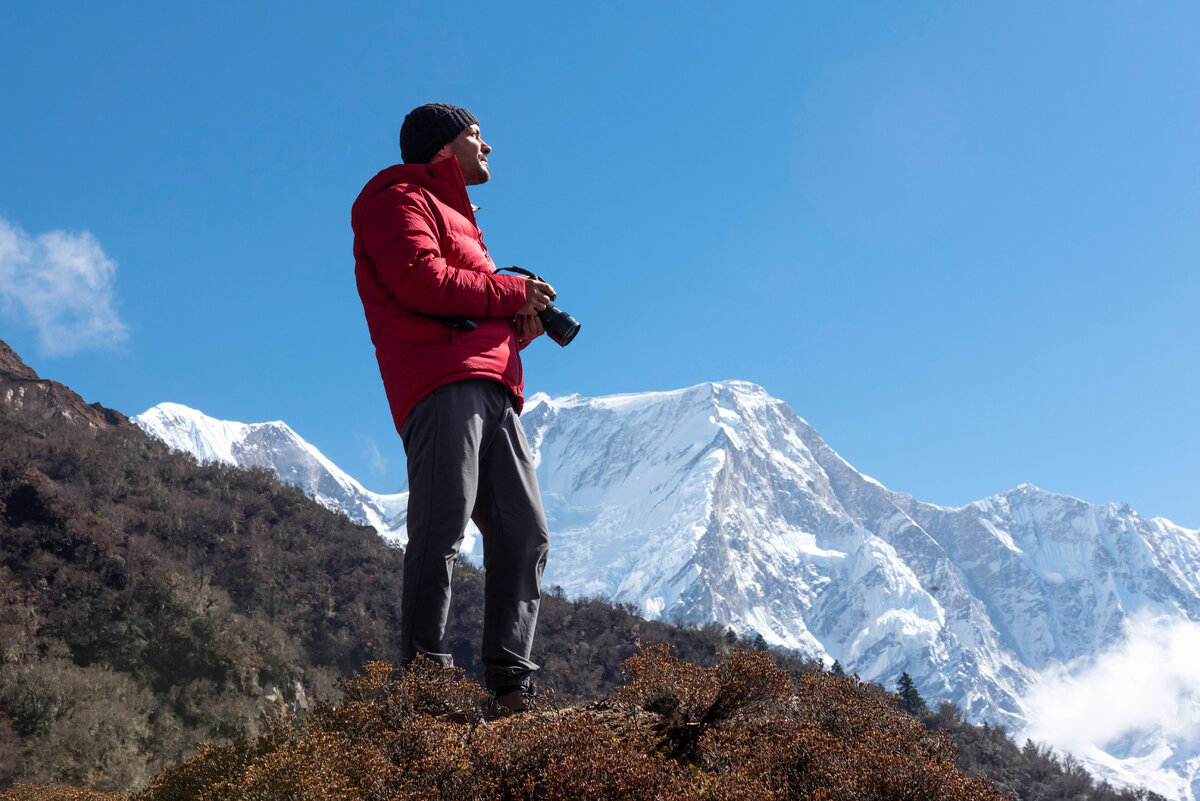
x,y
448,330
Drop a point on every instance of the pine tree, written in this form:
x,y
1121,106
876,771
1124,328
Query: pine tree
x,y
910,700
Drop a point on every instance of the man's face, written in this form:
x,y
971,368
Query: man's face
x,y
472,154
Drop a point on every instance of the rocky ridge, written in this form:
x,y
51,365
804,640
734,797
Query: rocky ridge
x,y
22,388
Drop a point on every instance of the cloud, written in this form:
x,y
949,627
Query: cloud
x,y
61,285
373,455
1129,702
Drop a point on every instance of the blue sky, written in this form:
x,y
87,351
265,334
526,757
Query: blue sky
x,y
959,239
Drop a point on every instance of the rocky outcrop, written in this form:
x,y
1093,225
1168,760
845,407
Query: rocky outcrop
x,y
22,389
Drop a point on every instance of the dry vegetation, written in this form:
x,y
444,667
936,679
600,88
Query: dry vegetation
x,y
742,729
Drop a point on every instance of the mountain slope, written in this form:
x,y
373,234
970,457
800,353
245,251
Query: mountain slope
x,y
742,514
22,389
717,503
275,447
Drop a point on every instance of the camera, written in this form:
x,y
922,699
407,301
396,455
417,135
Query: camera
x,y
560,326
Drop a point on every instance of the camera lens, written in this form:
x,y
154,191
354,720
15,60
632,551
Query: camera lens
x,y
561,326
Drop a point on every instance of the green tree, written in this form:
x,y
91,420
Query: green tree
x,y
910,700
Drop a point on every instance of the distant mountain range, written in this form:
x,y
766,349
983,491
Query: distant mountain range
x,y
717,503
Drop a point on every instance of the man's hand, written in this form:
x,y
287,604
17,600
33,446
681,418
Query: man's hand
x,y
538,295
528,327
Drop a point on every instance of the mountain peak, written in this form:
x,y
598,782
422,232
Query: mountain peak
x,y
708,390
10,362
741,387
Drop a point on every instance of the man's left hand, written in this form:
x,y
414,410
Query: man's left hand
x,y
528,327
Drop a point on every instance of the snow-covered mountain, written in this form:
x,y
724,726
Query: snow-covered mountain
x,y
718,503
275,447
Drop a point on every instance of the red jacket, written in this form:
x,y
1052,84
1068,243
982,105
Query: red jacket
x,y
418,251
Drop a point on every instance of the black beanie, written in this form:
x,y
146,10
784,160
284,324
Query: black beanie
x,y
427,128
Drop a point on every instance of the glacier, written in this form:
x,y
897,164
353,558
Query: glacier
x,y
718,504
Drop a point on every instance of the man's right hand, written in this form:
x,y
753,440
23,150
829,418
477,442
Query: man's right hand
x,y
538,295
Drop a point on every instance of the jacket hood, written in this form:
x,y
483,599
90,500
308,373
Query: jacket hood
x,y
442,178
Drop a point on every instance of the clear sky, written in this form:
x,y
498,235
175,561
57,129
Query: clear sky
x,y
960,239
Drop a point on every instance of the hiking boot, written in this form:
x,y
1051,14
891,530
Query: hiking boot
x,y
509,701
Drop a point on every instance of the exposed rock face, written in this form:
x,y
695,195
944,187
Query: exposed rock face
x,y
21,388
10,363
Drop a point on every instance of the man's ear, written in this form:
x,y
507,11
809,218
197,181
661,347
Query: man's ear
x,y
442,154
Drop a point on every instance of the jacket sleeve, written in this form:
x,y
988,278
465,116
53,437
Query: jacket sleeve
x,y
402,240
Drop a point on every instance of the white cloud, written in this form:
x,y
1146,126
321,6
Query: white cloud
x,y
1132,711
373,455
61,285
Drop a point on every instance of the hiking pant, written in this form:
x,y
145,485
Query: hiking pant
x,y
468,459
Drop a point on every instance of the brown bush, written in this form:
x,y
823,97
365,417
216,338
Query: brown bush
x,y
29,792
840,740
388,739
741,730
746,729
689,701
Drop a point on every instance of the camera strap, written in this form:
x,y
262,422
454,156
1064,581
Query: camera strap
x,y
521,271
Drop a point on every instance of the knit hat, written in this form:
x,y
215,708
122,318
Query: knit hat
x,y
427,128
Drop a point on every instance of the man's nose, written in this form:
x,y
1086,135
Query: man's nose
x,y
484,146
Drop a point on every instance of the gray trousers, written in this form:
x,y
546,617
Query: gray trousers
x,y
468,459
